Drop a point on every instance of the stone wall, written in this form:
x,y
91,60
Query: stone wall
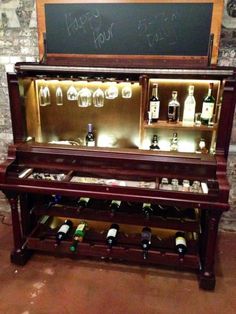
x,y
18,42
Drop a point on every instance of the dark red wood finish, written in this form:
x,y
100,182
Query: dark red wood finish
x,y
125,164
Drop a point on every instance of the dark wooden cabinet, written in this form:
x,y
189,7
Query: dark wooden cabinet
x,y
49,158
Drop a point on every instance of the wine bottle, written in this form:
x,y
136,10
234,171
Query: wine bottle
x,y
154,104
63,231
78,235
112,233
154,144
189,107
146,236
114,206
208,106
90,137
173,108
82,203
147,210
180,243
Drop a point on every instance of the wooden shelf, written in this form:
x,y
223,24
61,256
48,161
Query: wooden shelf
x,y
161,124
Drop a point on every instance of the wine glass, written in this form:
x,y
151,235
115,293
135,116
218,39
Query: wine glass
x,y
112,91
98,98
59,96
84,97
46,95
127,90
72,93
41,97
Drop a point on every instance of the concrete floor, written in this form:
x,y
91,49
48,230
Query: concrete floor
x,y
50,285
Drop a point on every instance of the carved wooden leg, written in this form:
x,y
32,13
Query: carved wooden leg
x,y
19,255
207,250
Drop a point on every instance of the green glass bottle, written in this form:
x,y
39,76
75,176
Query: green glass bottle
x,y
78,235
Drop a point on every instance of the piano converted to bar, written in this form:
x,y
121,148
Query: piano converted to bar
x,y
52,173
121,135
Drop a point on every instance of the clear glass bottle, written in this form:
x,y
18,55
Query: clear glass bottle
x,y
154,104
189,107
208,106
173,108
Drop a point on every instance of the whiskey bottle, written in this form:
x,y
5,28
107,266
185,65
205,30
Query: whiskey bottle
x,y
154,104
208,106
90,137
173,108
189,107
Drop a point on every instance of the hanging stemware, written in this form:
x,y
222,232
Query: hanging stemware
x,y
98,98
127,90
112,91
59,96
72,93
84,97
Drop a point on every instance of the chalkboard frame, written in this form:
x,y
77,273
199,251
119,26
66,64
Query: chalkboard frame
x,y
131,60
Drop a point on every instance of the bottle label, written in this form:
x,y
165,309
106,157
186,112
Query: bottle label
x,y
154,109
64,228
180,241
112,233
91,143
207,110
116,202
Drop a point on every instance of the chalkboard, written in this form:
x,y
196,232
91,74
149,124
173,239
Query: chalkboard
x,y
174,29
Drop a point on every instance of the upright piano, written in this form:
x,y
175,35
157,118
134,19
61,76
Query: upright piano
x,y
49,168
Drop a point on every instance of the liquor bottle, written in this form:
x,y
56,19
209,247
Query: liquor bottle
x,y
147,210
63,231
78,235
174,142
114,206
173,108
154,104
154,144
189,107
82,203
112,233
90,138
208,106
180,243
146,237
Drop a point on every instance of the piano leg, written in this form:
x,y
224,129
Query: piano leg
x,y
19,255
210,222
